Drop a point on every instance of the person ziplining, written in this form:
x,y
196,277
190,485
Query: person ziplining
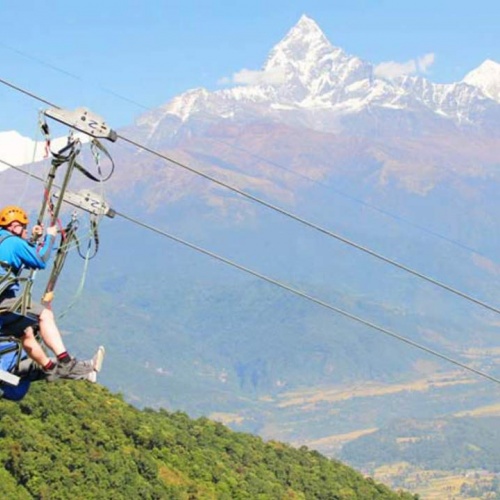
x,y
28,328
18,253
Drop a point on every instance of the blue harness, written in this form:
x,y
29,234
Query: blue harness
x,y
9,357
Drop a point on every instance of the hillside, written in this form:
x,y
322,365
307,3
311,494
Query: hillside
x,y
455,457
73,440
445,444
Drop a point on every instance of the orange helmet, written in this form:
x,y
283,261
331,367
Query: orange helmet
x,y
11,213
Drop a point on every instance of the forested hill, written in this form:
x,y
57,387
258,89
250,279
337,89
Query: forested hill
x,y
75,440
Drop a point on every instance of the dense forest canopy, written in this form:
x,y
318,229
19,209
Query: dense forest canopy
x,y
74,440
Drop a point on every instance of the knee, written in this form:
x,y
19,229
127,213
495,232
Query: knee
x,y
47,315
28,335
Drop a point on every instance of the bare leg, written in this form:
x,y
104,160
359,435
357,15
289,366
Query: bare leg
x,y
33,349
50,333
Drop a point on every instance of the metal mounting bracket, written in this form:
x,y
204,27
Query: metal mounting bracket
x,y
88,201
83,120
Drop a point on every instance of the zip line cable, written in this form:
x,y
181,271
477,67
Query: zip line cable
x,y
311,298
18,169
29,94
314,226
296,291
347,196
284,212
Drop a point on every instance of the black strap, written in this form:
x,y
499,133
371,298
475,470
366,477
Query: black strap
x,y
7,268
85,172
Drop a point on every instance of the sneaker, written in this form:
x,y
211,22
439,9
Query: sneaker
x,y
99,358
78,370
97,365
74,370
91,377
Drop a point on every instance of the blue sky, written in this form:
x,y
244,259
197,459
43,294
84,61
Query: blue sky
x,y
87,53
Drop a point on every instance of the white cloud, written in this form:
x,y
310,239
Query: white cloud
x,y
18,150
250,77
425,62
393,69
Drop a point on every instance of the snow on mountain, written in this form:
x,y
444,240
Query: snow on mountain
x,y
311,83
455,100
486,78
316,73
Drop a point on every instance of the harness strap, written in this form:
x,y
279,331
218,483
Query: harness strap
x,y
6,279
85,172
10,278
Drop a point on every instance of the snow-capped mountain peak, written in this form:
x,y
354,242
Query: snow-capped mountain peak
x,y
308,81
312,67
486,77
306,35
303,47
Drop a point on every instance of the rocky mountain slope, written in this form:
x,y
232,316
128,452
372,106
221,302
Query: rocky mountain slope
x,y
308,82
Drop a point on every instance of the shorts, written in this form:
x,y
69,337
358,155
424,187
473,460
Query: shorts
x,y
34,309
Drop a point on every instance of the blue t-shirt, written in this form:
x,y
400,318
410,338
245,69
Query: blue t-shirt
x,y
19,253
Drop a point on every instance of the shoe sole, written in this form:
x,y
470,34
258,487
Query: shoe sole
x,y
99,358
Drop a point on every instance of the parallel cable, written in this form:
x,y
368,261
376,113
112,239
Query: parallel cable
x,y
72,75
18,169
306,296
26,92
354,199
314,226
283,212
299,293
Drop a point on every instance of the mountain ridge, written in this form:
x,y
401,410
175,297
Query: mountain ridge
x,y
305,74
